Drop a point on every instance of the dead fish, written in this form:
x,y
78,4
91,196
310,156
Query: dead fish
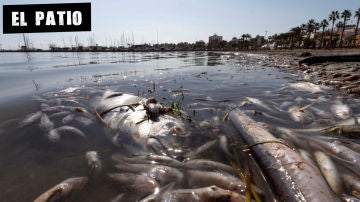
x,y
63,113
349,131
118,198
307,156
63,189
301,115
223,180
224,145
44,106
31,118
147,159
84,120
55,108
350,158
211,193
94,162
136,182
68,118
329,171
69,90
45,123
354,91
157,195
351,182
195,152
349,198
204,164
341,110
130,116
54,134
161,173
289,172
258,102
321,113
307,87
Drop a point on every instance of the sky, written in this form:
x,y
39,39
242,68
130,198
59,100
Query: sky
x,y
173,21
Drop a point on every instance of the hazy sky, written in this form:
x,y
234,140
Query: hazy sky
x,y
182,20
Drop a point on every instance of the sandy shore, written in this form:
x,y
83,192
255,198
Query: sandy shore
x,y
343,76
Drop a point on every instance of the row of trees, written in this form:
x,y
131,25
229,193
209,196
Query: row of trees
x,y
300,36
245,41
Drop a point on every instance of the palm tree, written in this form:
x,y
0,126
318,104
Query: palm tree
x,y
357,15
310,27
333,17
324,23
243,39
316,27
303,28
295,33
346,14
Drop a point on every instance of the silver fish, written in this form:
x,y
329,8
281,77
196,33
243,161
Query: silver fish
x,y
211,193
301,115
31,118
289,172
224,145
334,148
329,171
137,182
161,173
223,180
118,198
341,110
208,165
45,123
137,118
349,198
68,118
257,102
94,162
351,182
84,120
54,134
147,159
195,152
157,195
307,87
63,113
63,189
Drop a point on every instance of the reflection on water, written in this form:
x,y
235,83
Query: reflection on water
x,y
205,84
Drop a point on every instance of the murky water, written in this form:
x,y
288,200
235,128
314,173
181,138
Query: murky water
x,y
206,85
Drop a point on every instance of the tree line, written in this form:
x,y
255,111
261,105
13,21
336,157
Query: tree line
x,y
307,35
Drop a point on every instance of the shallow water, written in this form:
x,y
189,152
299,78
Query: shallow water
x,y
205,84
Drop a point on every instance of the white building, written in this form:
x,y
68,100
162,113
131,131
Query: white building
x,y
215,38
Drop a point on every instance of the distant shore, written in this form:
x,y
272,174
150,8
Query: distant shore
x,y
316,52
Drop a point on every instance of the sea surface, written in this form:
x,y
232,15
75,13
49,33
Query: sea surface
x,y
206,85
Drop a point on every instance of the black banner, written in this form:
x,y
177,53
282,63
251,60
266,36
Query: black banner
x,y
33,18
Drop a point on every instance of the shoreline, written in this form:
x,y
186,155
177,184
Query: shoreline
x,y
343,76
315,52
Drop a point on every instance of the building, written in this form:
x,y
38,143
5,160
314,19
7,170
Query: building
x,y
215,38
234,42
349,30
